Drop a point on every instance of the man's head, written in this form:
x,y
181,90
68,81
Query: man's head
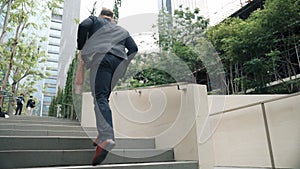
x,y
107,13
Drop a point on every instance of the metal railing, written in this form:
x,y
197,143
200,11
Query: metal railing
x,y
262,103
65,110
7,98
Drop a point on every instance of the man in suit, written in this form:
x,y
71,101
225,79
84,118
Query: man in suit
x,y
20,102
30,105
102,46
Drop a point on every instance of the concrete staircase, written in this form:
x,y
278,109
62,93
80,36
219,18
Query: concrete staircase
x,y
46,142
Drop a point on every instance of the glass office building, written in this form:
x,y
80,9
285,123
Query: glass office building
x,y
51,66
215,10
60,48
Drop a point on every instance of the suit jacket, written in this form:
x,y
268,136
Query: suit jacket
x,y
109,38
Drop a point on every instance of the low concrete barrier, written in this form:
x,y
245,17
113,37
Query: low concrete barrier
x,y
180,118
171,115
239,136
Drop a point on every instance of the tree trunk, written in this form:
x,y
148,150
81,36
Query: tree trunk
x,y
6,18
12,104
297,55
11,59
231,78
2,7
242,81
4,28
236,70
7,74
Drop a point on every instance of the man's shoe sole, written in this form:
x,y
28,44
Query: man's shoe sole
x,y
102,151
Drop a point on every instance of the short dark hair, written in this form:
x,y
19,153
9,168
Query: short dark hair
x,y
107,12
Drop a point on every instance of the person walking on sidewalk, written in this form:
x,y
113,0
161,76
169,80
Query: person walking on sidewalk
x,y
30,105
101,44
20,102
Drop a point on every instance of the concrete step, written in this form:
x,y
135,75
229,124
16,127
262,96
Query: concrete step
x,y
38,121
38,132
43,126
68,143
153,165
21,126
51,142
46,158
37,118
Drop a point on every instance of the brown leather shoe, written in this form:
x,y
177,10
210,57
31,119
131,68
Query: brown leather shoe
x,y
102,150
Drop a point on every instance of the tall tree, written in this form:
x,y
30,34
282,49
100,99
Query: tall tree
x,y
117,4
23,37
56,104
182,43
260,49
68,91
7,4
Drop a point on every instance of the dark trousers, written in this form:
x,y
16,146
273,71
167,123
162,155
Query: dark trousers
x,y
19,109
103,79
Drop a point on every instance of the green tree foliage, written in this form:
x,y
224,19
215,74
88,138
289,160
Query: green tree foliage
x,y
53,107
56,104
67,100
156,68
260,49
117,4
64,97
20,41
178,61
181,32
93,11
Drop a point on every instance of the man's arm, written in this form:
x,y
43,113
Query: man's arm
x,y
131,47
80,58
83,31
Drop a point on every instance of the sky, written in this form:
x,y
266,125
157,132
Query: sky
x,y
217,9
136,16
132,7
139,16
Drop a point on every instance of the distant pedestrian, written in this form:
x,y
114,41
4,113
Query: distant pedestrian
x,y
2,114
20,103
30,105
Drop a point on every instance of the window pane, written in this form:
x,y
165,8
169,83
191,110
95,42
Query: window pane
x,y
56,25
54,32
51,81
51,90
47,99
53,48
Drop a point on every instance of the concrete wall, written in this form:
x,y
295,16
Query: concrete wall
x,y
145,112
173,117
239,137
180,119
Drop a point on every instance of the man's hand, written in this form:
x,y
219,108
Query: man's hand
x,y
80,58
